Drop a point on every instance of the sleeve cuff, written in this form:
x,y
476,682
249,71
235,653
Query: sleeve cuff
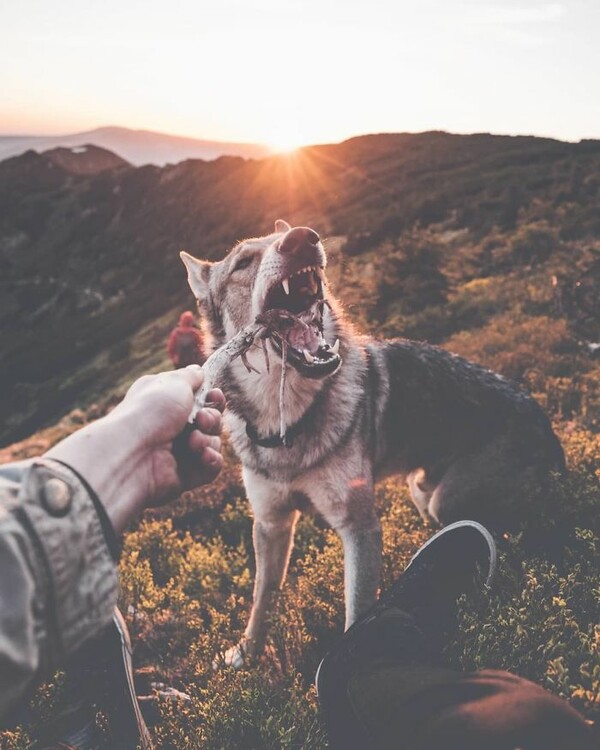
x,y
110,537
73,541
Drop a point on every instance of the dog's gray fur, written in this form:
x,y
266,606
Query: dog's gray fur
x,y
468,442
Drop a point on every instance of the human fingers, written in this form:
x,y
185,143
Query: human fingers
x,y
212,459
202,464
211,463
209,421
197,441
216,399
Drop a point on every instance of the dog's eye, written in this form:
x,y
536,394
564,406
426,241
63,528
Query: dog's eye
x,y
242,263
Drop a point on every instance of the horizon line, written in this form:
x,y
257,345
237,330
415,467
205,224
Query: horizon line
x,y
305,145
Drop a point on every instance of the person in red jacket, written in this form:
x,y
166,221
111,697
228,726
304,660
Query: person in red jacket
x,y
186,345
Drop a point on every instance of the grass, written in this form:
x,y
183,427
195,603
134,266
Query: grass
x,y
187,571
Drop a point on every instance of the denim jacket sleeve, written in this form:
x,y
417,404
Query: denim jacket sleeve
x,y
58,579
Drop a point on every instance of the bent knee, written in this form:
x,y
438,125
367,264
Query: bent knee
x,y
497,709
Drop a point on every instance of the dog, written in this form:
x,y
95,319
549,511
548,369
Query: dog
x,y
466,440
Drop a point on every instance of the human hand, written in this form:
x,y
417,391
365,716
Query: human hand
x,y
127,456
157,409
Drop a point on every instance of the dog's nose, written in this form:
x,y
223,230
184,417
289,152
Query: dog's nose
x,y
297,238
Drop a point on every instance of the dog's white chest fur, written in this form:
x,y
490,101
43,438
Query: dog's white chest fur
x,y
263,391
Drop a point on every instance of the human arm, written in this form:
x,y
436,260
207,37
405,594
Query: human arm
x,y
58,582
138,468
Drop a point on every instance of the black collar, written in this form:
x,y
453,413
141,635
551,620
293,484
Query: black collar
x,y
275,440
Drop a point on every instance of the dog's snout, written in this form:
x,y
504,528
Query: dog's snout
x,y
298,238
312,236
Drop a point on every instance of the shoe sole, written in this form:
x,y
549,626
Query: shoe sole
x,y
489,539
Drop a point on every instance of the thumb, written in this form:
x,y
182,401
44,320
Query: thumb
x,y
193,375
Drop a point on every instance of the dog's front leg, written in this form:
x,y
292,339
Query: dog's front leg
x,y
353,517
272,533
362,567
273,540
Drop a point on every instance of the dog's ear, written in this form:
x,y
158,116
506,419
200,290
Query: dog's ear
x,y
282,226
198,274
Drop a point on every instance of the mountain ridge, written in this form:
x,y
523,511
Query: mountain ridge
x,y
84,160
137,146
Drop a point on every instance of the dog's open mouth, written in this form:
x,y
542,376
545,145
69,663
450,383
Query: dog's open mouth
x,y
301,294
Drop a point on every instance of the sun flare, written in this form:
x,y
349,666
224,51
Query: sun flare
x,y
285,140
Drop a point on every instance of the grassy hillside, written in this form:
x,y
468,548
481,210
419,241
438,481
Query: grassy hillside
x,y
521,299
488,246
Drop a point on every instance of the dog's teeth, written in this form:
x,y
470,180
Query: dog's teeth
x,y
286,286
336,347
308,356
321,273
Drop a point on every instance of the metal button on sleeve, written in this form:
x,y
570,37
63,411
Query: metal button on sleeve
x,y
56,496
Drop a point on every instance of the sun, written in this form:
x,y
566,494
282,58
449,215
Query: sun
x,y
284,147
285,139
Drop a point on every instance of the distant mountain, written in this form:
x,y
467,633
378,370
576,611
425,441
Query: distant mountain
x,y
136,146
87,260
84,160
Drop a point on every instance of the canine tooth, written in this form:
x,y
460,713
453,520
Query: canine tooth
x,y
336,347
308,356
321,273
286,286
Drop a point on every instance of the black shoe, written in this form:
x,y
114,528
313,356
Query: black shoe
x,y
459,559
407,622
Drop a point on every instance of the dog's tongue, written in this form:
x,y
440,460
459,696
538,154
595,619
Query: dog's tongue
x,y
303,336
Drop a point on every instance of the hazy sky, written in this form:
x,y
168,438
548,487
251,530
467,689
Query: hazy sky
x,y
301,71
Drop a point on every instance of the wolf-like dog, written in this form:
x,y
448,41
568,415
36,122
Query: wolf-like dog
x,y
468,442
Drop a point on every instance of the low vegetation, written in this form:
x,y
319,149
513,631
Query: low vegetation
x,y
521,296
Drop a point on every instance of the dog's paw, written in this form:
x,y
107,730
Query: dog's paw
x,y
237,656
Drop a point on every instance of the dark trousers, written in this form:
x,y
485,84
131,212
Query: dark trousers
x,y
386,707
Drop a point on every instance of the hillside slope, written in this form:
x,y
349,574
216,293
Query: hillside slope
x,y
187,570
88,259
